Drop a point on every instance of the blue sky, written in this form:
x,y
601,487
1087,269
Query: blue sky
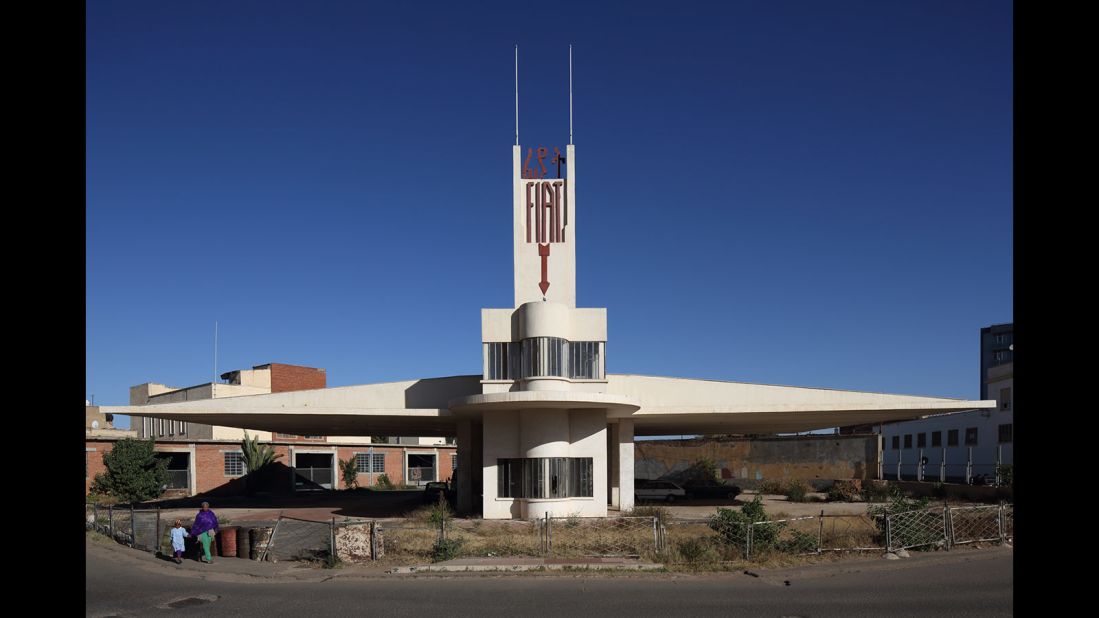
x,y
803,193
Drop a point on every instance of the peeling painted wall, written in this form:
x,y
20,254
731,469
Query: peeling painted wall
x,y
758,459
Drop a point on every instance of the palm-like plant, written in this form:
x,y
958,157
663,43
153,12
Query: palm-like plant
x,y
256,456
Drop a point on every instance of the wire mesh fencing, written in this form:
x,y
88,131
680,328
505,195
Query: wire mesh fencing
x,y
917,528
975,523
798,535
601,537
1007,519
702,540
852,533
407,540
300,539
495,538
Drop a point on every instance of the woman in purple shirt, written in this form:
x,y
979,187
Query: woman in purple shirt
x,y
206,526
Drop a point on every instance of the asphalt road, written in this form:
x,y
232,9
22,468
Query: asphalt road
x,y
979,585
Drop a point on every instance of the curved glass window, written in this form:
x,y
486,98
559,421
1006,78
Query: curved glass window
x,y
545,477
544,357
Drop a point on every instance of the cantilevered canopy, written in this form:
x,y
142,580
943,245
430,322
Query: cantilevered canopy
x,y
658,406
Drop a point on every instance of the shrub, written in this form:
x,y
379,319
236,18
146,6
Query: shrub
x,y
797,490
875,491
441,511
332,561
1007,475
697,552
845,491
350,473
383,482
733,525
446,549
770,487
134,472
660,513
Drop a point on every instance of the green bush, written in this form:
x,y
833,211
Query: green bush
x,y
383,482
134,472
733,525
446,549
350,473
875,491
1007,475
697,552
441,511
797,490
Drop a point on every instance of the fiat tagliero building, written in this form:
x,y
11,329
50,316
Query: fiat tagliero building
x,y
544,428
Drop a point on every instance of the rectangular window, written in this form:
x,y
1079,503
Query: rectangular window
x,y
952,437
896,443
171,428
234,464
379,462
971,436
1005,433
907,440
936,438
183,428
285,436
362,463
545,477
921,440
1005,398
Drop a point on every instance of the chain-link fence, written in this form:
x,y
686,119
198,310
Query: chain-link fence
x,y
696,540
852,533
600,537
300,539
1007,519
407,540
917,528
975,523
495,538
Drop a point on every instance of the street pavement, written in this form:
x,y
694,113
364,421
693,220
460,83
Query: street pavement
x,y
965,582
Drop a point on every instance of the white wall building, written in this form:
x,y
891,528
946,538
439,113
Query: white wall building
x,y
956,446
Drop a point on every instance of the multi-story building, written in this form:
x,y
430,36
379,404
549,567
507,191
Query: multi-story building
x,y
997,348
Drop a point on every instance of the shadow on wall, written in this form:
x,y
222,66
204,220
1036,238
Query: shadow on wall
x,y
436,392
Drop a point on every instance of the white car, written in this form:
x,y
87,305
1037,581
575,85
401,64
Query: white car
x,y
665,491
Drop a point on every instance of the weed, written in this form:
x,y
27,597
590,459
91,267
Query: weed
x,y
446,549
797,490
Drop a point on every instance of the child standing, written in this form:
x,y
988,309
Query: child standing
x,y
178,533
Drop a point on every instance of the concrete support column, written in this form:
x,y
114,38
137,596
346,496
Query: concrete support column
x,y
625,464
613,490
464,480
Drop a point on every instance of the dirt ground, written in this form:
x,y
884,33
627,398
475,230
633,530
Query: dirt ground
x,y
396,504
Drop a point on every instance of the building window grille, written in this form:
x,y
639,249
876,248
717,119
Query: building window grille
x,y
544,357
545,477
936,438
1005,433
971,436
908,440
952,437
379,462
1005,398
234,464
362,463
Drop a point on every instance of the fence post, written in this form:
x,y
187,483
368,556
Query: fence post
x,y
900,456
271,541
919,467
820,533
373,540
332,538
942,468
748,548
159,537
1000,522
656,537
948,526
110,519
549,536
133,528
95,517
888,534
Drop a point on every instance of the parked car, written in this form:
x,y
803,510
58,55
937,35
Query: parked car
x,y
666,491
433,490
711,490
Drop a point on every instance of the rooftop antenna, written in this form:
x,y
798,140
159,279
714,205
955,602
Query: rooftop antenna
x,y
516,94
215,351
570,95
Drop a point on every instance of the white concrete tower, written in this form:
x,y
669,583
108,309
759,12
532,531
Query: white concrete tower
x,y
543,408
